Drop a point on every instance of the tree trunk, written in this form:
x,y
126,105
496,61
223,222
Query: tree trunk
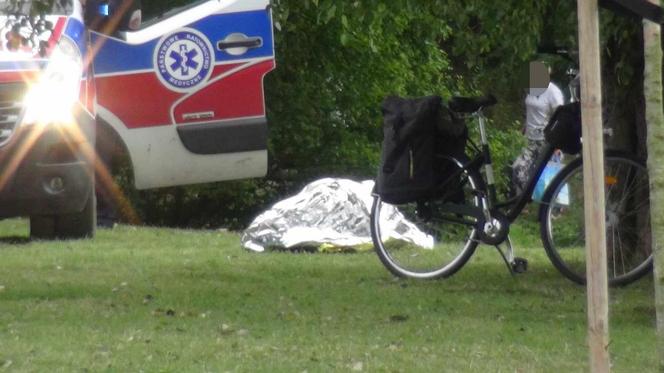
x,y
623,106
655,120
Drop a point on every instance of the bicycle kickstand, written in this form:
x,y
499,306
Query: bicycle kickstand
x,y
514,264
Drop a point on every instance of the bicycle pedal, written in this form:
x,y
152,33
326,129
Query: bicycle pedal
x,y
519,265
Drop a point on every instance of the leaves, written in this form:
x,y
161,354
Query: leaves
x,y
323,99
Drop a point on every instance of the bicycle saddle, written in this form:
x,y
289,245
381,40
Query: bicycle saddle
x,y
471,104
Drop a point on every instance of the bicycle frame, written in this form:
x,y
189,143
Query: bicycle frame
x,y
509,210
513,207
522,200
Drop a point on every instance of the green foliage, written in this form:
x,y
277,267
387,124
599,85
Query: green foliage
x,y
491,36
506,143
336,61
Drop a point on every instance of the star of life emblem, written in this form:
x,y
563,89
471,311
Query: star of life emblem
x,y
183,60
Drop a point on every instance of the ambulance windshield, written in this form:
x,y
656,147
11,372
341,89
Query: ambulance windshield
x,y
35,7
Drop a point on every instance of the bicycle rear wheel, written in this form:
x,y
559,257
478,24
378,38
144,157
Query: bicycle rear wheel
x,y
438,243
562,220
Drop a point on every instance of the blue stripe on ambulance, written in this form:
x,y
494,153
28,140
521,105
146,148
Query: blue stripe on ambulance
x,y
117,56
76,31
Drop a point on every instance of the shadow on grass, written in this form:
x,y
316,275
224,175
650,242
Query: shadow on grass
x,y
15,240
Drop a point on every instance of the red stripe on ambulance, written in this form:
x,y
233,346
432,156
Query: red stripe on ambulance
x,y
238,95
131,91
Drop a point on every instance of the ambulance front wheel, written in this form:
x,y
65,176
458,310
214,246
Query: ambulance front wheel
x,y
66,226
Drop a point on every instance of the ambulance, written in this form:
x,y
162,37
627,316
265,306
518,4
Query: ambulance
x,y
182,91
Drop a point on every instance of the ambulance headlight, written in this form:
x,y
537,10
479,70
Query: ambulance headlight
x,y
51,99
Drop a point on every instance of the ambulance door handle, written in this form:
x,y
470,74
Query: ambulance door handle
x,y
237,43
246,43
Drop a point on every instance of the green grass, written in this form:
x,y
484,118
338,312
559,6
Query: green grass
x,y
145,299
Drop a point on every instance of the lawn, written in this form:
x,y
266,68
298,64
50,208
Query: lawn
x,y
147,299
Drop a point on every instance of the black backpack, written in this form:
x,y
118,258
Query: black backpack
x,y
418,136
564,128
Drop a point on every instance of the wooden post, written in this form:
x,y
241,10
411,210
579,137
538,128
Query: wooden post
x,y
652,84
593,181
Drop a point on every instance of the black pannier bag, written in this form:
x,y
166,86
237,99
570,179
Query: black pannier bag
x,y
564,128
417,134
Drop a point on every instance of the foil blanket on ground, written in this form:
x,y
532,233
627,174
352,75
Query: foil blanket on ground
x,y
327,212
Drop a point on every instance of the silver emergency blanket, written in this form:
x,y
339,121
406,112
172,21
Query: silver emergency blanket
x,y
328,212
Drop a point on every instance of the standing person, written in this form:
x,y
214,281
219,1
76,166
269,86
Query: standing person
x,y
542,100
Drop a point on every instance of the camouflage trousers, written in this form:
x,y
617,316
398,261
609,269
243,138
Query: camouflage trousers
x,y
523,166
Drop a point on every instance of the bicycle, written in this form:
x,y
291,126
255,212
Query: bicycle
x,y
456,224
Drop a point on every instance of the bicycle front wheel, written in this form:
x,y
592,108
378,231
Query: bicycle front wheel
x,y
419,240
562,220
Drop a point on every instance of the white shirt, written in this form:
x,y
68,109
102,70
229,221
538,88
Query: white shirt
x,y
539,109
